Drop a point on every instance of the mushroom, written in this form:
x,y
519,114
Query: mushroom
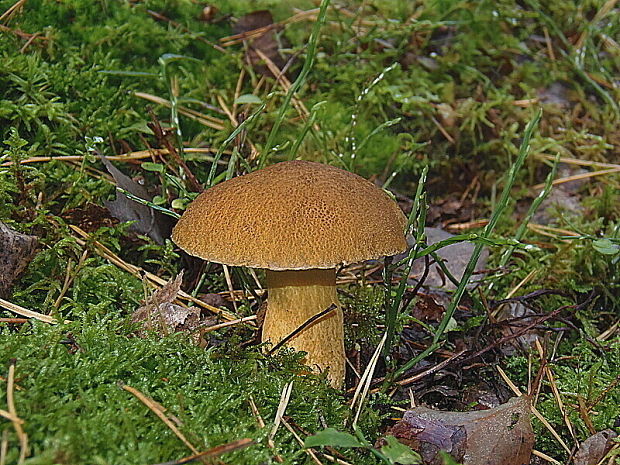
x,y
298,220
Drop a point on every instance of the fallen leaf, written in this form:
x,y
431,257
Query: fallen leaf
x,y
592,450
525,341
146,220
266,43
16,251
161,315
498,436
558,201
426,308
89,217
455,256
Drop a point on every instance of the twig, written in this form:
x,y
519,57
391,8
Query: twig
x,y
8,14
139,273
9,416
538,415
204,119
214,451
14,320
577,161
254,33
284,399
261,424
4,446
544,456
29,313
195,36
226,324
364,385
554,388
305,325
577,177
419,376
156,409
524,329
10,400
162,137
308,451
138,155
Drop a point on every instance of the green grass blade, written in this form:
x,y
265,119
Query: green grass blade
x,y
471,265
301,79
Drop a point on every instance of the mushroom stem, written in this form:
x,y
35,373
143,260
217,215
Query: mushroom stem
x,y
294,297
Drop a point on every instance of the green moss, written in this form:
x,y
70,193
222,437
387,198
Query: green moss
x,y
450,73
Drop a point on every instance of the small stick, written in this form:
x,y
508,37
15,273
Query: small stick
x,y
164,140
9,416
545,457
261,423
29,313
534,410
231,289
158,411
419,376
577,161
4,447
554,388
226,324
308,451
161,17
10,400
284,399
305,325
202,118
8,14
129,156
214,451
364,385
577,177
549,44
139,273
238,92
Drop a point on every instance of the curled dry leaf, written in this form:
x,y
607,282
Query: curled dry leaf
x,y
16,251
265,43
592,450
498,436
516,310
455,256
147,221
164,317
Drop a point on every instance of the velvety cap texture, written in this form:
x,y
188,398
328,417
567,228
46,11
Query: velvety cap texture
x,y
293,215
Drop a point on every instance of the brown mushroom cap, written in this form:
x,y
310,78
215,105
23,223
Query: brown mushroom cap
x,y
293,215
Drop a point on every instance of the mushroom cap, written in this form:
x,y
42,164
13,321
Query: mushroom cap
x,y
293,215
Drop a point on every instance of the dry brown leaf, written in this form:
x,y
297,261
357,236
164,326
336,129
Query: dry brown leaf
x,y
592,450
498,436
426,308
524,342
16,251
146,220
266,42
455,256
164,317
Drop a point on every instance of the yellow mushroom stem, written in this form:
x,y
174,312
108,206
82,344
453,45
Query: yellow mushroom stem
x,y
294,297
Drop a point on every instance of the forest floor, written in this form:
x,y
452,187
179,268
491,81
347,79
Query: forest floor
x,y
429,100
